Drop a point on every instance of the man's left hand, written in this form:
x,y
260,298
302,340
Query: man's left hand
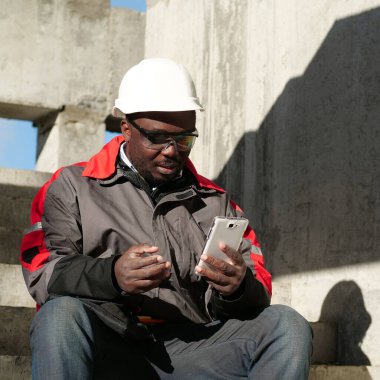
x,y
224,276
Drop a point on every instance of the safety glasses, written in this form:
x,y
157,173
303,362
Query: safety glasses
x,y
160,141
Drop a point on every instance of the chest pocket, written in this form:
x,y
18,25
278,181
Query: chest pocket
x,y
182,237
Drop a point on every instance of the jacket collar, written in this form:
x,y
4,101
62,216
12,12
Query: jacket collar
x,y
103,165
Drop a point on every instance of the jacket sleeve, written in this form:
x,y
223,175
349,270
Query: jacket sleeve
x,y
51,250
256,288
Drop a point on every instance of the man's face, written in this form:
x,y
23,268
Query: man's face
x,y
157,166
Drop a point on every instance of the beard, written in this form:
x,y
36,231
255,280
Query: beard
x,y
158,179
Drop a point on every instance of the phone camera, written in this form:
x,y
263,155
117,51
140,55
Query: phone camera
x,y
231,225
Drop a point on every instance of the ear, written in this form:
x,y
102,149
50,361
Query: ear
x,y
125,130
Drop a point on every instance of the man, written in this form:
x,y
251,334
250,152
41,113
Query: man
x,y
111,258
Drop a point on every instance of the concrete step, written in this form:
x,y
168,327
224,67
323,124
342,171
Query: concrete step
x,y
15,367
15,207
15,321
17,190
325,343
23,178
13,289
14,296
14,330
325,340
335,372
19,368
10,240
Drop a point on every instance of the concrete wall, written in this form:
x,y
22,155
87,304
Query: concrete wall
x,y
65,53
292,130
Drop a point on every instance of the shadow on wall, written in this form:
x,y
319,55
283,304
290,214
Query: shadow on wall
x,y
344,305
317,197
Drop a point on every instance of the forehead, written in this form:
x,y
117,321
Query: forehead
x,y
171,122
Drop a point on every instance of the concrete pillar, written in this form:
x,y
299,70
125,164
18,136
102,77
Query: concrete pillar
x,y
74,135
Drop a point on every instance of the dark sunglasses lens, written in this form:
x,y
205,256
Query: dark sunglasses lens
x,y
185,142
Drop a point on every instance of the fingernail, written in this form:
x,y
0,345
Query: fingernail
x,y
204,257
160,258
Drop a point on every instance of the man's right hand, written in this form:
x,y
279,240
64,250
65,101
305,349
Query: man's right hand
x,y
140,269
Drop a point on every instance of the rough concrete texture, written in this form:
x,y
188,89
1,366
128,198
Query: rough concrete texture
x,y
10,239
15,367
14,330
13,289
325,343
17,189
76,135
324,372
27,181
67,53
291,129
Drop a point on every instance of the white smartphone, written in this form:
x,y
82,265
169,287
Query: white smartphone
x,y
223,230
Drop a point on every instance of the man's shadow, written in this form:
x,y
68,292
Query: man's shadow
x,y
344,306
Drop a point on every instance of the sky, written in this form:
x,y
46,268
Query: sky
x,y
18,138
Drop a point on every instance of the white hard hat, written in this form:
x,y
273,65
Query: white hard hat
x,y
156,84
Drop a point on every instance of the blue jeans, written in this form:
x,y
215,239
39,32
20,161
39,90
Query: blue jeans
x,y
69,342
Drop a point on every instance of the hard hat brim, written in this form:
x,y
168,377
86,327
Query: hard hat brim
x,y
120,109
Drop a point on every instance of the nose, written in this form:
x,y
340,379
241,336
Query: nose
x,y
170,149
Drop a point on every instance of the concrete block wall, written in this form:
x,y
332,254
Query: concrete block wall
x,y
292,131
17,308
57,54
17,189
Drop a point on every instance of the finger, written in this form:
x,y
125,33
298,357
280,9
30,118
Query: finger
x,y
141,286
233,254
223,290
140,250
219,265
152,272
145,262
215,277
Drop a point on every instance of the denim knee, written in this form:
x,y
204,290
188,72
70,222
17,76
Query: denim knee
x,y
58,319
291,325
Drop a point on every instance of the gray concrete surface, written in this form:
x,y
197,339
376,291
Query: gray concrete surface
x,y
65,53
76,135
13,289
22,182
10,239
328,372
15,367
14,330
17,189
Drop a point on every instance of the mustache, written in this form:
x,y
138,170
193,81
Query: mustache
x,y
168,163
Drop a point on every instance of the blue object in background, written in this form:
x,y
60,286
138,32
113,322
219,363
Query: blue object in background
x,y
137,5
18,144
110,135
